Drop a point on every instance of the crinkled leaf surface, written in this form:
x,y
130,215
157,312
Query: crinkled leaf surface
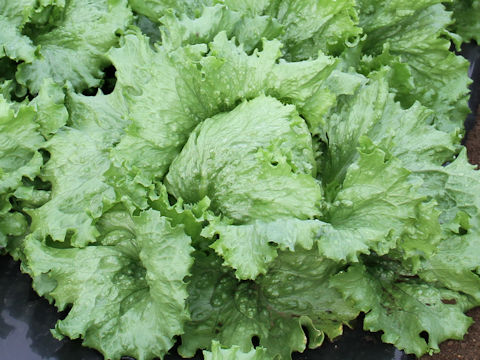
x,y
142,134
304,26
74,48
19,159
404,307
13,15
455,264
274,310
466,14
79,193
414,32
156,132
127,297
371,111
192,216
19,144
312,25
103,117
248,29
249,248
191,93
156,9
11,224
302,143
51,111
375,188
271,151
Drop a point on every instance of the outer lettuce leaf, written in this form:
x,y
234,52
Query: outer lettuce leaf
x,y
375,188
299,283
51,111
453,187
104,118
248,29
273,148
307,26
233,353
19,159
456,189
11,224
312,25
20,141
13,15
466,14
403,307
101,116
371,111
79,192
304,27
414,32
156,9
128,297
157,132
74,48
274,310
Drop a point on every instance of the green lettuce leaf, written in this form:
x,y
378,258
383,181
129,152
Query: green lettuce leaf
x,y
20,141
413,32
20,159
73,49
275,160
79,193
101,116
404,307
248,29
233,353
304,27
11,224
466,14
295,293
255,172
192,216
13,17
127,297
51,111
455,188
156,132
156,9
104,118
371,111
249,248
78,166
376,187
312,25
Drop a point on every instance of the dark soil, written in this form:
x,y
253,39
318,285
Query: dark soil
x,y
473,142
469,348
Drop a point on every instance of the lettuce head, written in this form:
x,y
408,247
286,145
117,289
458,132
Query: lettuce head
x,y
218,171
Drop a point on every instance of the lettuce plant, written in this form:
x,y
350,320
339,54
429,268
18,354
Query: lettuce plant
x,y
261,170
